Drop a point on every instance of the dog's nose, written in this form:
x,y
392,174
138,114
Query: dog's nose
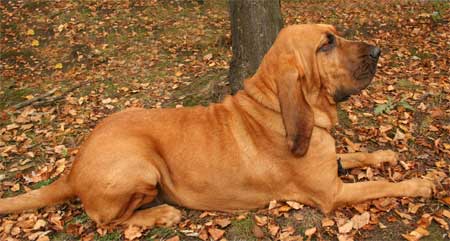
x,y
375,52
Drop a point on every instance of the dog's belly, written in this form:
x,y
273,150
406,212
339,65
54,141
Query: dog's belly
x,y
226,181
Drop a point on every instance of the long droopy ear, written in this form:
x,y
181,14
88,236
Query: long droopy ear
x,y
298,117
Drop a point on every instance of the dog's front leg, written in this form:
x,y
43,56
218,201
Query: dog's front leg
x,y
361,159
358,192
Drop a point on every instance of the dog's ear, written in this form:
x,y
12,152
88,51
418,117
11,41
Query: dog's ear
x,y
298,117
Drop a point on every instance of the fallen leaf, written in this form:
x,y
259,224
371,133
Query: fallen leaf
x,y
446,213
441,222
222,222
261,220
416,234
403,215
40,223
345,237
294,205
272,204
413,208
207,57
347,227
360,221
216,233
310,231
58,66
132,232
43,238
174,238
30,32
35,43
446,200
327,222
273,229
284,208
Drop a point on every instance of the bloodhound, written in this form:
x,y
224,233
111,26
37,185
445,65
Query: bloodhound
x,y
270,141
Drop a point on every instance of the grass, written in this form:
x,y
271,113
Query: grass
x,y
80,219
43,183
63,237
159,233
113,236
405,84
241,229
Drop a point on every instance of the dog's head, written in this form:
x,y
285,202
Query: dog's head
x,y
313,68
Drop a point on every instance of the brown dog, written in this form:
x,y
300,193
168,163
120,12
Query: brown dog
x,y
270,141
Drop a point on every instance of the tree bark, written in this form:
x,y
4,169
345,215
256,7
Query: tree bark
x,y
254,26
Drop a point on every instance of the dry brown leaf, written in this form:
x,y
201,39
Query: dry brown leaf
x,y
446,213
216,233
174,238
360,221
345,237
416,234
284,208
413,208
261,220
43,238
273,229
222,222
132,232
347,227
441,222
425,220
272,204
310,231
327,222
446,200
203,234
294,205
40,223
403,215
361,207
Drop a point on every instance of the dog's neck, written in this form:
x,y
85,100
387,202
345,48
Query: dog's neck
x,y
260,89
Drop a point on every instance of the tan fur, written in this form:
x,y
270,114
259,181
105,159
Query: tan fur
x,y
271,141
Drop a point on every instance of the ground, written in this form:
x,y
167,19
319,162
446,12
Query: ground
x,y
94,58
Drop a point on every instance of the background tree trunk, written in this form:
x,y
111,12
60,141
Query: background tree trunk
x,y
254,26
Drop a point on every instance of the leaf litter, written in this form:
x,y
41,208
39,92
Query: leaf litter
x,y
155,54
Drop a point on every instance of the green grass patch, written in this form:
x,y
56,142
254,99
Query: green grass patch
x,y
63,237
405,84
114,236
159,233
43,183
80,219
241,229
11,96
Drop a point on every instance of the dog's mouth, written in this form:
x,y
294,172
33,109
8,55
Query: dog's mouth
x,y
365,71
362,78
343,94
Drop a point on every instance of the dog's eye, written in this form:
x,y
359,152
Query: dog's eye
x,y
329,44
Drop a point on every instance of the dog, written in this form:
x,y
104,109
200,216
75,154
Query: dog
x,y
270,141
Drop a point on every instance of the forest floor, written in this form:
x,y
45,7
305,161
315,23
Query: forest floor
x,y
94,58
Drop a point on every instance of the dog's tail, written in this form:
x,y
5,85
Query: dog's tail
x,y
58,191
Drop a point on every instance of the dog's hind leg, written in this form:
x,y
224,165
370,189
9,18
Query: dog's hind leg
x,y
361,159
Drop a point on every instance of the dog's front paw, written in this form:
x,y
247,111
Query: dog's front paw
x,y
168,216
420,187
381,156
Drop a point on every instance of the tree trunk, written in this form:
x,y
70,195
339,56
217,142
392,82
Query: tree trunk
x,y
254,26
